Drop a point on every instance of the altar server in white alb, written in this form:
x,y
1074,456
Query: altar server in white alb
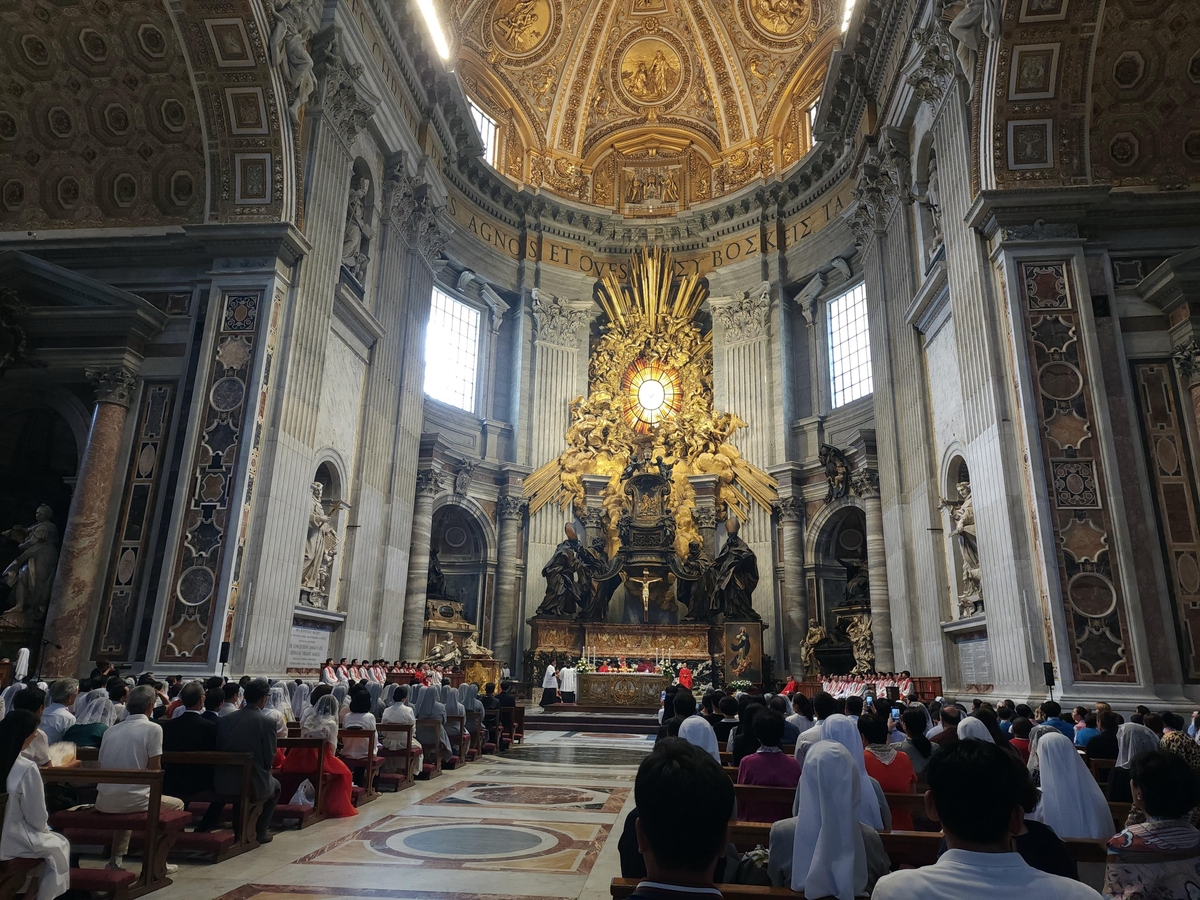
x,y
27,833
567,683
549,687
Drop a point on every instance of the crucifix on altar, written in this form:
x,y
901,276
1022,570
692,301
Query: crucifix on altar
x,y
645,581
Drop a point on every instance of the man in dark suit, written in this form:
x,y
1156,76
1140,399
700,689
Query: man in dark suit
x,y
249,731
213,699
191,732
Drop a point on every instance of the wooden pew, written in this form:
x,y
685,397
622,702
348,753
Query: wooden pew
x,y
290,781
13,872
432,766
518,724
404,757
366,792
727,756
161,828
476,737
459,756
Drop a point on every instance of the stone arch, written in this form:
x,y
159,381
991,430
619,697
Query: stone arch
x,y
464,539
821,520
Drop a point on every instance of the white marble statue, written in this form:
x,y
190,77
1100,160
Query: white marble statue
x,y
472,650
289,50
31,574
962,526
974,20
320,548
357,231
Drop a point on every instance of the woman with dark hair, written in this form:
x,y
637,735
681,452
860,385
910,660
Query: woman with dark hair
x,y
769,766
745,742
887,765
27,833
918,748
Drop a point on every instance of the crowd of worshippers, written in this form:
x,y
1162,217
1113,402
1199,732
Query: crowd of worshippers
x,y
1006,785
377,671
133,722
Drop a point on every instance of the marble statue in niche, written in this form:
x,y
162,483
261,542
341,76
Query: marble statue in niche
x,y
962,527
320,550
435,585
31,574
970,22
808,650
289,50
736,575
930,202
444,653
358,231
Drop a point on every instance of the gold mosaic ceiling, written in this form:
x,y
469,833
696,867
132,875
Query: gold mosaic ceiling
x,y
645,106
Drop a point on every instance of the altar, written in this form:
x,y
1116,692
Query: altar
x,y
620,691
690,643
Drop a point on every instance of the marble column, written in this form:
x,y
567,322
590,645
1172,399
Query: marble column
x,y
795,595
83,551
511,511
865,484
429,483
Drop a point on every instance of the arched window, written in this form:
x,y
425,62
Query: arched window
x,y
486,127
849,346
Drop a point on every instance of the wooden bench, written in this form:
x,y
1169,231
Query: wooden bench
x,y
1101,769
404,757
459,754
476,735
290,781
13,872
432,767
160,828
727,756
365,792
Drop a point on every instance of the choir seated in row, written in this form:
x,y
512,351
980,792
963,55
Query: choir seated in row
x,y
379,671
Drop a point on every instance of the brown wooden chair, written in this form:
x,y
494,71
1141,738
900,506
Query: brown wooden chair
x,y
290,781
402,758
432,751
365,792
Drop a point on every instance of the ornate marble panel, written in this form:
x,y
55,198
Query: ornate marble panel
x,y
115,633
1168,457
1093,605
489,793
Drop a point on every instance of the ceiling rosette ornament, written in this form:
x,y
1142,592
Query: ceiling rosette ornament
x,y
777,23
650,67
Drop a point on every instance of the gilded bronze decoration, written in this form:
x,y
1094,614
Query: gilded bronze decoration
x,y
651,336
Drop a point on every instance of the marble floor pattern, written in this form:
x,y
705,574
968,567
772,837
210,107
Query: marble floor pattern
x,y
540,821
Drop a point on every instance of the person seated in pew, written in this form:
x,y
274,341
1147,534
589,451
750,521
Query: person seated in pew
x,y
780,704
233,692
745,742
1035,841
398,712
802,713
888,765
1132,741
676,783
1089,730
57,717
1161,856
918,748
338,790
135,743
872,807
1072,802
767,766
1021,727
729,719
1105,745
214,699
250,731
975,792
93,720
825,851
354,750
27,833
33,700
191,732
683,705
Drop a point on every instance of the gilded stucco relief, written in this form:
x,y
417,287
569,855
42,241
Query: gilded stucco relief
x,y
577,86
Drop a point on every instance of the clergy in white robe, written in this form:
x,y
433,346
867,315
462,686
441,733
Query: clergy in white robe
x,y
549,687
568,684
27,831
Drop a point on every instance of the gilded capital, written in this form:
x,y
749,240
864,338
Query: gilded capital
x,y
114,384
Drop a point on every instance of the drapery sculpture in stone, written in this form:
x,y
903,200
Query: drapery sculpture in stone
x,y
593,595
31,574
444,653
562,590
808,655
974,20
858,629
698,594
472,650
435,585
289,50
962,526
837,473
358,231
320,548
736,575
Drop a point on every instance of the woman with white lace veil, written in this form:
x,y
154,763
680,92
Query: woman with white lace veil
x,y
1132,741
1035,738
93,720
1072,802
300,702
277,699
322,722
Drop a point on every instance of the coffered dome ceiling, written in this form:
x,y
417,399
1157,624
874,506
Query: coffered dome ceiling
x,y
646,106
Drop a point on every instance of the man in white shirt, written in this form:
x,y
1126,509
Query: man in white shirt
x,y
58,716
135,743
975,792
233,693
824,706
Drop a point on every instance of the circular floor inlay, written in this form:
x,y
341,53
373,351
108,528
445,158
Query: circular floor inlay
x,y
471,840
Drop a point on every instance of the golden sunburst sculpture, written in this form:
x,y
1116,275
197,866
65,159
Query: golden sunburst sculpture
x,y
650,388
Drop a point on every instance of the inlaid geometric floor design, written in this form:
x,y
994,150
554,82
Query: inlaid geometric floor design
x,y
539,822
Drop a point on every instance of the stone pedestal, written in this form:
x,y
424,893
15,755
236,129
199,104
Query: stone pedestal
x,y
76,581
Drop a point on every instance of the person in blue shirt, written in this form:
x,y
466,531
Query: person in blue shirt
x,y
1052,716
1087,732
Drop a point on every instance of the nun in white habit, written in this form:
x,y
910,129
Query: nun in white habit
x,y
696,730
1072,802
970,729
871,805
27,831
826,851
